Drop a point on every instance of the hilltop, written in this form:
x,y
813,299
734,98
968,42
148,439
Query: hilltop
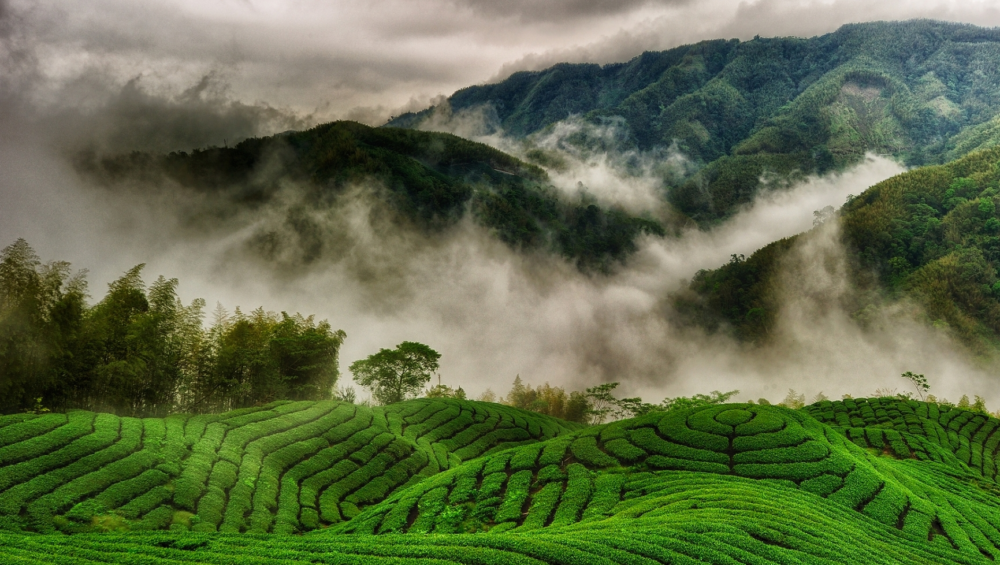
x,y
870,480
430,181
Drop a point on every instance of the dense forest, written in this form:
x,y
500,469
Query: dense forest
x,y
931,235
761,112
140,351
430,179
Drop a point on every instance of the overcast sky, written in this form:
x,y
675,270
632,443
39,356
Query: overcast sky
x,y
368,59
122,75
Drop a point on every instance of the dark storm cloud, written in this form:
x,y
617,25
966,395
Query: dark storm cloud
x,y
134,119
560,10
369,59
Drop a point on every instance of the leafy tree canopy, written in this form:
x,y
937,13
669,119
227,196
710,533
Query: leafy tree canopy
x,y
393,375
141,352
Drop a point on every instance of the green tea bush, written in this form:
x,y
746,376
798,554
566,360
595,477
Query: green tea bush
x,y
628,491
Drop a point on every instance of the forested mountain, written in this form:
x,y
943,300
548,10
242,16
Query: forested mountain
x,y
430,179
931,235
925,92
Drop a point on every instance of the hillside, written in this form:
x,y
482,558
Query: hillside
x,y
874,481
925,92
289,466
431,180
931,235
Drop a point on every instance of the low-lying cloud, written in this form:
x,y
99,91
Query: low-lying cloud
x,y
163,76
491,311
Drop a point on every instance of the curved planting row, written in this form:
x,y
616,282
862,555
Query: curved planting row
x,y
691,518
285,467
921,430
885,482
625,470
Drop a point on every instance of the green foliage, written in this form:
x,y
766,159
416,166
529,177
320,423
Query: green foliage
x,y
919,383
285,467
445,391
693,466
696,401
603,404
431,179
880,480
550,400
926,235
755,114
393,375
140,351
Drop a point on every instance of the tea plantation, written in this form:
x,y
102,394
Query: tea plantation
x,y
447,481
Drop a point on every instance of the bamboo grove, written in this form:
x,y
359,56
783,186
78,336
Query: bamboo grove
x,y
140,351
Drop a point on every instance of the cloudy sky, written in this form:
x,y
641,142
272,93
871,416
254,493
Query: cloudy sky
x,y
370,59
159,75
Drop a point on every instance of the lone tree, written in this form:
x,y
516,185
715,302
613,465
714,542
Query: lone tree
x,y
919,383
393,375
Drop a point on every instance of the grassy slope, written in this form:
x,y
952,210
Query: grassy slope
x,y
858,481
287,467
931,234
923,91
432,179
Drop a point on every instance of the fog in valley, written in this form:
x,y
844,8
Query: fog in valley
x,y
492,311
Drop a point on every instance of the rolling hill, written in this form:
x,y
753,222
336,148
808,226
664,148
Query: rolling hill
x,y
856,481
758,113
227,472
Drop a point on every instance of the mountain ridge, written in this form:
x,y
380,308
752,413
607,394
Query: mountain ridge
x,y
786,107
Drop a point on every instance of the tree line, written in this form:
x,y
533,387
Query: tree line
x,y
140,351
593,405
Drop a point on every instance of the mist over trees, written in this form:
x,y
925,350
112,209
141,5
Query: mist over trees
x,y
430,179
140,351
931,235
752,115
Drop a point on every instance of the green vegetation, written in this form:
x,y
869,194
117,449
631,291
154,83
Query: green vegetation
x,y
393,375
285,467
882,480
773,108
549,400
593,406
141,352
931,235
431,179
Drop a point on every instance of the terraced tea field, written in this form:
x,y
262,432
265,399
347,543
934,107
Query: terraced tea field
x,y
282,468
435,481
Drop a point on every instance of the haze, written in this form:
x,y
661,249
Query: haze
x,y
175,75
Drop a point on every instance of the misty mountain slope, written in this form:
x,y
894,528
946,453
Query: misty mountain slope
x,y
430,179
929,237
762,112
879,480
